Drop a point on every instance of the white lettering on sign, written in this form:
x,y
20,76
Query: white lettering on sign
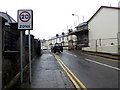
x,y
25,19
24,26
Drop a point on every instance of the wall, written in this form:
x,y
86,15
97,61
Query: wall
x,y
104,26
103,49
10,57
0,53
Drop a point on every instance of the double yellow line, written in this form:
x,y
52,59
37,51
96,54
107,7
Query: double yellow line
x,y
77,83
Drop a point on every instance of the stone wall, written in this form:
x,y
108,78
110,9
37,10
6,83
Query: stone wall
x,y
0,52
11,53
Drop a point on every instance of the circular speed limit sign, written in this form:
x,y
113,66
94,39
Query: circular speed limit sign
x,y
25,19
24,16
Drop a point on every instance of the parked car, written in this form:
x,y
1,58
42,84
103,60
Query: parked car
x,y
44,48
57,47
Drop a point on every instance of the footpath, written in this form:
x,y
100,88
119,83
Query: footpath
x,y
105,55
47,74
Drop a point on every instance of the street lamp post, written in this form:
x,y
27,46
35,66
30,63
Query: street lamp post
x,y
77,17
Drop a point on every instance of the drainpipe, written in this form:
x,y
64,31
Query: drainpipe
x,y
96,45
118,39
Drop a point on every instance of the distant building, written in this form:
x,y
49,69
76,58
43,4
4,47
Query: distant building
x,y
81,33
64,39
103,30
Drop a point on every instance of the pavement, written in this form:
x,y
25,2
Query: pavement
x,y
46,73
105,55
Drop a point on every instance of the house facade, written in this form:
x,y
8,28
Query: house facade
x,y
103,30
68,41
81,33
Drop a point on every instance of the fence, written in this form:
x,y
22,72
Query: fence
x,y
108,45
10,40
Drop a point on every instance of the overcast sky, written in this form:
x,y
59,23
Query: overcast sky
x,y
52,17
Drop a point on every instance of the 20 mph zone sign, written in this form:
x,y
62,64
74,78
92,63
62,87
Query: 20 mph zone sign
x,y
25,19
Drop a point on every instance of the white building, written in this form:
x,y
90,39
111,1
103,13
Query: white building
x,y
64,39
103,30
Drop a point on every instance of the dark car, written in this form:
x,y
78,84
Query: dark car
x,y
57,47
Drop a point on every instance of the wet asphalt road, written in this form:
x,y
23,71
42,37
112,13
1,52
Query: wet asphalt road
x,y
94,72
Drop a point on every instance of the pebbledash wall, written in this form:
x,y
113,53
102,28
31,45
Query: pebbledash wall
x,y
103,31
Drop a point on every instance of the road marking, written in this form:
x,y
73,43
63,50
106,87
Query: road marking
x,y
101,57
103,64
76,85
50,55
71,54
63,65
83,86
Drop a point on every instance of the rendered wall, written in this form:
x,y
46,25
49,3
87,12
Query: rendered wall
x,y
103,31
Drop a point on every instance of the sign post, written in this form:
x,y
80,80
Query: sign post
x,y
29,57
21,56
25,22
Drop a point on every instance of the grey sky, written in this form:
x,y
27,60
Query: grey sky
x,y
52,17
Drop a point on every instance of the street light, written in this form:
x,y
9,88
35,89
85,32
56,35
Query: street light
x,y
77,16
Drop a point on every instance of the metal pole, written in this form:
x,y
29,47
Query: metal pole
x,y
21,56
29,57
96,45
83,18
77,17
78,20
118,46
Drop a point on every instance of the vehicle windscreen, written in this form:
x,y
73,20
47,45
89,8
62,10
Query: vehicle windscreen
x,y
58,45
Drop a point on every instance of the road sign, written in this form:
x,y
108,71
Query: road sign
x,y
25,19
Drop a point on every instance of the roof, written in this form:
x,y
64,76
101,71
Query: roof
x,y
77,31
7,17
100,9
3,20
81,24
59,36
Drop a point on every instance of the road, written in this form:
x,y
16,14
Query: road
x,y
74,69
92,71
